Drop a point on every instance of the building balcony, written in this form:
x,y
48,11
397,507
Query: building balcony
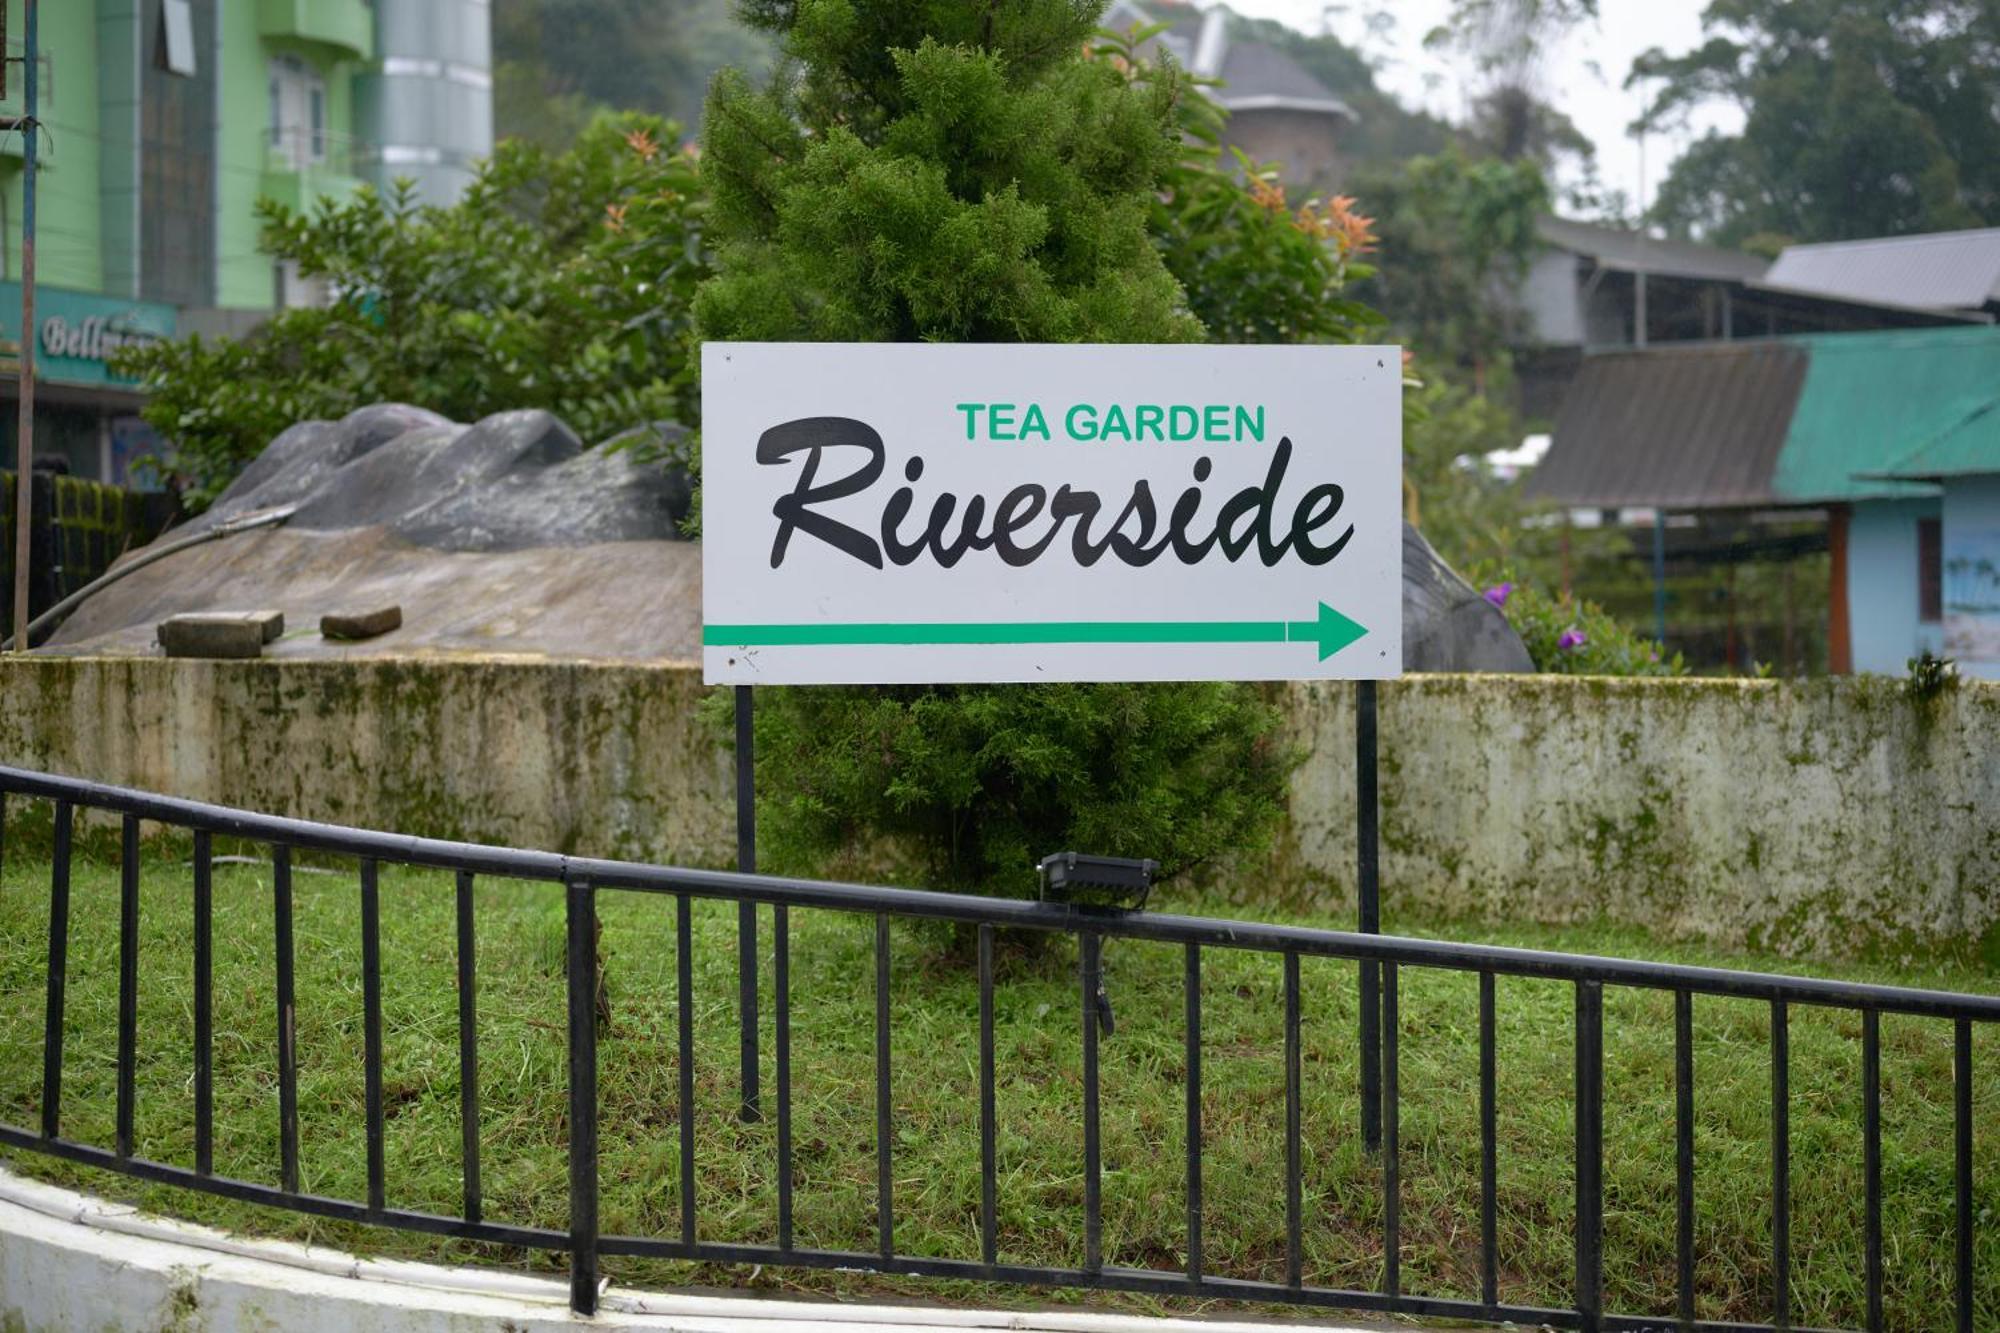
x,y
300,167
345,26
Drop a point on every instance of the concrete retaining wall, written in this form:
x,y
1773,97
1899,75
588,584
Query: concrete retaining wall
x,y
1821,817
1825,817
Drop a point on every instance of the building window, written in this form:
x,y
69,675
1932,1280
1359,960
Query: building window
x,y
176,48
1930,570
298,112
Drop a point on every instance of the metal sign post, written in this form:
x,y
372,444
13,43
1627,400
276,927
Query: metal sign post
x,y
1368,872
746,912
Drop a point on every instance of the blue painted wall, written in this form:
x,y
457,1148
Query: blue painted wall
x,y
1972,574
1882,584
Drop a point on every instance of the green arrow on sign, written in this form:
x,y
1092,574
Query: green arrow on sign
x,y
1332,631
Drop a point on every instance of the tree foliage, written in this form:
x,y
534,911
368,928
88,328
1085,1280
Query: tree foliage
x,y
939,171
990,172
1861,118
1456,232
560,280
1254,269
1509,43
987,780
558,61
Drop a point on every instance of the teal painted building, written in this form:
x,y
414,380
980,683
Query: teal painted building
x,y
1893,437
1869,399
166,121
1962,461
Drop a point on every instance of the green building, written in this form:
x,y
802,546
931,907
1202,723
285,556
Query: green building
x,y
165,120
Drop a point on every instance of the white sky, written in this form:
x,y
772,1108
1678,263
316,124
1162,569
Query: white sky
x,y
1584,77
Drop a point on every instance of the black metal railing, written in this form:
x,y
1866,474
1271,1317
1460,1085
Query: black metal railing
x,y
583,879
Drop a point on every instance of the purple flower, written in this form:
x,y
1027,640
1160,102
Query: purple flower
x,y
1499,592
1571,640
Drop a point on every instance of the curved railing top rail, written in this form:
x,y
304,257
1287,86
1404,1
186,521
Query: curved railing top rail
x,y
1027,914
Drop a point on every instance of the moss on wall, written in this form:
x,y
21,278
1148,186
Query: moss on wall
x,y
1828,817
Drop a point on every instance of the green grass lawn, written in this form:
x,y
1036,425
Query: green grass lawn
x,y
523,1130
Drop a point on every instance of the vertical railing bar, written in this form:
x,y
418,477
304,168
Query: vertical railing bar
x,y
1091,945
684,968
884,1181
371,1025
1871,1168
581,922
1392,1117
746,1009
3,837
52,1023
1684,1155
1489,1168
128,979
1590,1154
1192,983
1294,1167
204,1004
989,1203
781,982
1961,1060
468,1048
288,1064
1781,1166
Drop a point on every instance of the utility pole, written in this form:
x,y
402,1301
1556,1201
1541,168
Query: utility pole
x,y
24,481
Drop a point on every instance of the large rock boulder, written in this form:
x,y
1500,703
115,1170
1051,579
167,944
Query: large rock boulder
x,y
1448,625
508,536
514,480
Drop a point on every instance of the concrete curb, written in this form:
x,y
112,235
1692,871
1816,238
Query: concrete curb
x,y
68,1260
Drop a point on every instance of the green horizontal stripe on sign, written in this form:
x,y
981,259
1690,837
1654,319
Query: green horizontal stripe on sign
x,y
1331,631
1047,631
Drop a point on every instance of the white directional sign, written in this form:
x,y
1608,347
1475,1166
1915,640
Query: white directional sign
x,y
912,512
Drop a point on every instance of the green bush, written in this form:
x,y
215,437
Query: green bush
x,y
559,280
1576,637
986,781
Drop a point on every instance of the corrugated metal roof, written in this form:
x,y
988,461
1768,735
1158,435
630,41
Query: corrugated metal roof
x,y
1969,446
1633,252
1696,427
1872,398
1950,270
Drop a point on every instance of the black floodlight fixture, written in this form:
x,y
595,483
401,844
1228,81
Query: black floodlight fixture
x,y
1096,881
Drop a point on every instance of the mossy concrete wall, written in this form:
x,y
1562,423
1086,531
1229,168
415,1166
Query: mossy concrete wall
x,y
1822,817
570,757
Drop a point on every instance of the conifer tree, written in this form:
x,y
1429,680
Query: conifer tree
x,y
970,171
952,170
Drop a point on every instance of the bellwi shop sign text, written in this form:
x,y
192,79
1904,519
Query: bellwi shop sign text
x,y
909,512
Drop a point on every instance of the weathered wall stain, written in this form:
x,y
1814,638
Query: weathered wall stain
x,y
1822,817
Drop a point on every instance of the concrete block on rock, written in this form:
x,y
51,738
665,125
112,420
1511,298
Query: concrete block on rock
x,y
363,624
220,633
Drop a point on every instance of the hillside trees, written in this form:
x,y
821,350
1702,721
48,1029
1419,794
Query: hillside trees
x,y
1912,85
